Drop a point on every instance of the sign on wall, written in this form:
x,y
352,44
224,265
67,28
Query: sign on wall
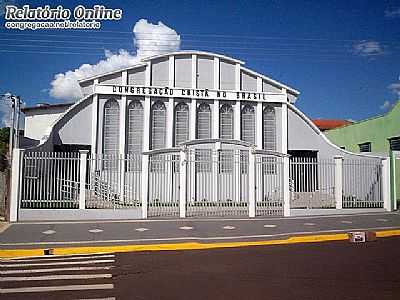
x,y
131,90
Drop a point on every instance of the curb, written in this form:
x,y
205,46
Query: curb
x,y
14,253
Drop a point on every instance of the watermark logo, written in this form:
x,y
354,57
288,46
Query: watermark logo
x,y
59,17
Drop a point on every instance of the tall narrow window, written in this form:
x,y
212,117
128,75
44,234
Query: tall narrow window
x,y
204,121
158,125
135,127
181,123
226,122
248,124
269,125
111,127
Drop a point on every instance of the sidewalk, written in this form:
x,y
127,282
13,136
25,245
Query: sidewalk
x,y
155,234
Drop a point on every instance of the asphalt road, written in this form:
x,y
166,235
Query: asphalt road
x,y
329,270
153,231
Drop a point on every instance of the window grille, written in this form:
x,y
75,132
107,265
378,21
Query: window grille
x,y
158,125
365,147
248,124
226,122
111,127
204,121
181,123
269,126
394,143
135,127
226,161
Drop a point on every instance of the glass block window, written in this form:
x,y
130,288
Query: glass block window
x,y
158,125
204,121
181,123
135,127
248,125
269,129
111,127
226,122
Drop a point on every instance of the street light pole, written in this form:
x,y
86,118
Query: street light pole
x,y
14,128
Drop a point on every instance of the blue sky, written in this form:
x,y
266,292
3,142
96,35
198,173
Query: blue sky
x,y
341,55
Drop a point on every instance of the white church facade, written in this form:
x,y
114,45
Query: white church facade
x,y
191,133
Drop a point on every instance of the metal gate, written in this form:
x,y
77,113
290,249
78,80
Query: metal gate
x,y
217,182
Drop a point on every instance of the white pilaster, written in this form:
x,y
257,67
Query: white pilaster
x,y
194,71
16,178
145,184
237,77
122,125
216,73
215,120
252,184
193,119
83,154
339,181
95,115
259,117
170,123
171,77
284,130
237,120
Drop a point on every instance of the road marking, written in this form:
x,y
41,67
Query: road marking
x,y
186,228
142,229
110,298
95,230
55,270
229,227
309,224
78,287
48,232
382,220
81,250
270,225
60,263
56,277
346,222
55,258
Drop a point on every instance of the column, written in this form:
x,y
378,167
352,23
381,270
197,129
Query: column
x,y
339,181
83,154
121,156
386,184
95,115
393,192
286,192
16,182
236,153
259,117
182,183
252,183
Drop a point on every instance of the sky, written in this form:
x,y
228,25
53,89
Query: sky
x,y
343,56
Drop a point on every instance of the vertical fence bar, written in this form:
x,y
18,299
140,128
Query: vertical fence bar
x,y
145,184
82,178
339,181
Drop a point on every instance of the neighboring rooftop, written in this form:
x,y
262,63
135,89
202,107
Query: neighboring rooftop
x,y
326,124
42,106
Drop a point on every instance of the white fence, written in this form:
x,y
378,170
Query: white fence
x,y
197,182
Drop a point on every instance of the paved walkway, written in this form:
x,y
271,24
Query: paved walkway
x,y
139,232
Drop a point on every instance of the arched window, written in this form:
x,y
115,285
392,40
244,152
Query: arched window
x,y
111,127
269,129
204,121
181,123
158,125
135,127
248,124
226,122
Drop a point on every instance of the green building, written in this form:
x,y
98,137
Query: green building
x,y
376,135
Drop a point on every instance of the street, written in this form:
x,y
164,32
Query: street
x,y
328,270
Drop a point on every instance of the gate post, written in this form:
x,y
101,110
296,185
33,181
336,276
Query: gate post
x,y
145,184
82,178
16,182
338,181
252,183
386,184
182,182
286,188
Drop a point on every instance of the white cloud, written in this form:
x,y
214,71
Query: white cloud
x,y
150,39
368,48
392,13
